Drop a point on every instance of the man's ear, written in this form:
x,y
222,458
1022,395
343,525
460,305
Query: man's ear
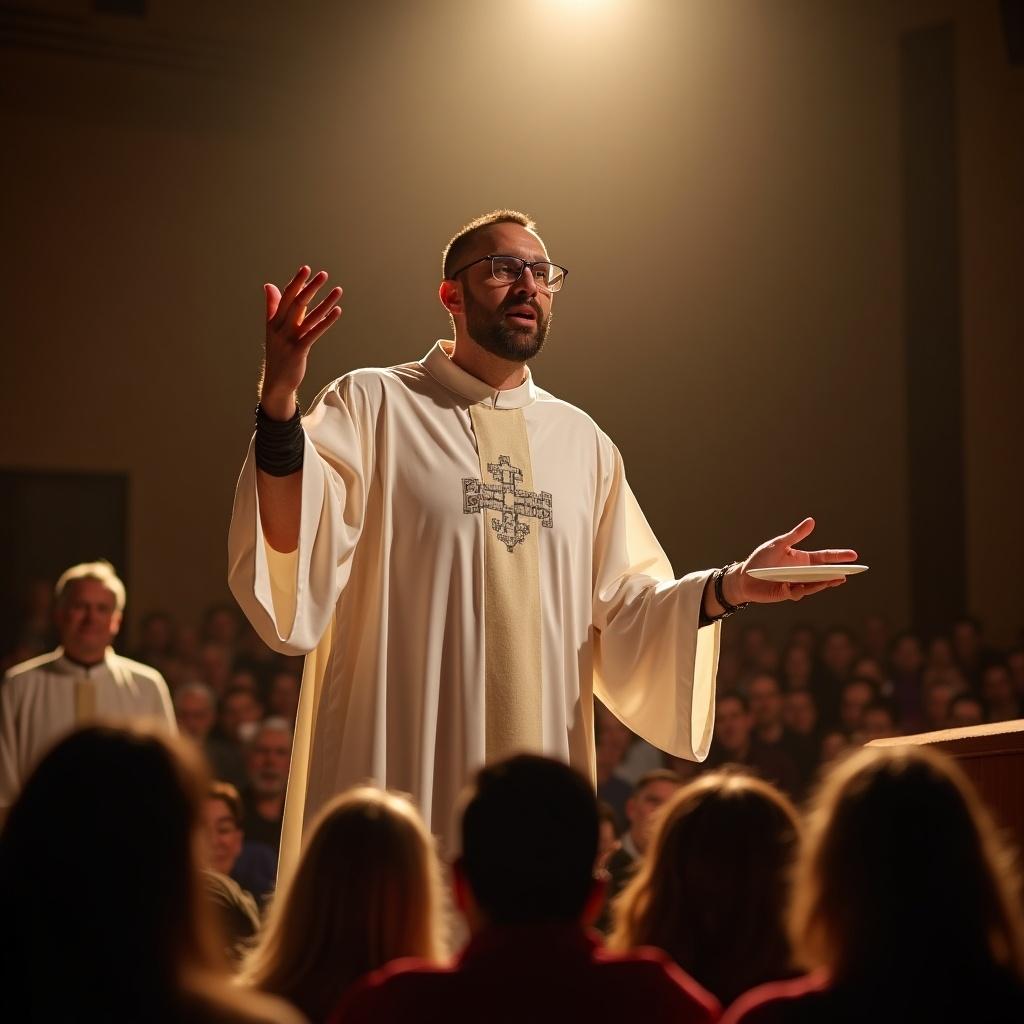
x,y
115,623
595,901
450,295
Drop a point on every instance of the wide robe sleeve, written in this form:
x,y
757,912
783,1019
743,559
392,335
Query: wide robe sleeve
x,y
290,598
654,667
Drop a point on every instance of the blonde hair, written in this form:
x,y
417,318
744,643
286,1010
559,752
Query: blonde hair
x,y
712,889
101,571
367,890
903,864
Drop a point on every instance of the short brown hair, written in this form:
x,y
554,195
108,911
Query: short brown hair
x,y
657,775
455,250
227,795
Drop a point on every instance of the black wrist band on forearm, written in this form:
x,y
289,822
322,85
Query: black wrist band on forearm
x,y
716,581
279,444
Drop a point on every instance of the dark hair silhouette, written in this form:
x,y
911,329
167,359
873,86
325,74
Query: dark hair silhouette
x,y
104,915
904,871
529,841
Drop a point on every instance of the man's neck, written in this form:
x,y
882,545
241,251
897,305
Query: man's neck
x,y
500,374
85,659
770,733
270,807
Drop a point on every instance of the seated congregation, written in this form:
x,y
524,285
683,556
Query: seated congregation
x,y
893,898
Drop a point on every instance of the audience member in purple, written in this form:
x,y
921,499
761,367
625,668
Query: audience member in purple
x,y
101,892
366,891
906,902
712,891
252,866
525,884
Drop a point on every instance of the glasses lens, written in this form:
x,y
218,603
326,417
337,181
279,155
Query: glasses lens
x,y
547,275
506,269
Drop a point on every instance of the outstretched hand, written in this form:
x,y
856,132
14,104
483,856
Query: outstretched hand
x,y
291,333
780,551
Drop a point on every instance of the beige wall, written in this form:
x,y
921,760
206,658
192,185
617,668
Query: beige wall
x,y
722,180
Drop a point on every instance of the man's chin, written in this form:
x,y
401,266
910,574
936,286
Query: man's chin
x,y
517,346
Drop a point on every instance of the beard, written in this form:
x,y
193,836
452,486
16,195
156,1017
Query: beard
x,y
493,333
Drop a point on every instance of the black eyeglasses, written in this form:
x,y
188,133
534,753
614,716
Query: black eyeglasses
x,y
508,270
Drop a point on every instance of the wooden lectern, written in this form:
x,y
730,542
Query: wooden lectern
x,y
992,756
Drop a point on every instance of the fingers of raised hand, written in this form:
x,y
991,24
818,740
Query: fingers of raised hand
x,y
314,316
273,296
292,288
329,318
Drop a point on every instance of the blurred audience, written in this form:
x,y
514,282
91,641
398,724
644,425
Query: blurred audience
x,y
735,743
366,891
101,890
906,903
712,890
526,887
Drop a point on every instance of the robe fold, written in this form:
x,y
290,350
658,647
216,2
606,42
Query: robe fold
x,y
385,593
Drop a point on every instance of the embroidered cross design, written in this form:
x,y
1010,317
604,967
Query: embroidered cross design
x,y
505,497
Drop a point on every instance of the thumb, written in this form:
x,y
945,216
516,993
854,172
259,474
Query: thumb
x,y
273,297
799,532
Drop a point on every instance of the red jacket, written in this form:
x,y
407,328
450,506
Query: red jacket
x,y
538,973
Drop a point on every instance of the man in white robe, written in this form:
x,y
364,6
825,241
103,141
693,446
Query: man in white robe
x,y
460,556
44,699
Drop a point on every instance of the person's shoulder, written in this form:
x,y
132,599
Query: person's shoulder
x,y
37,664
555,406
394,991
780,1002
665,984
141,671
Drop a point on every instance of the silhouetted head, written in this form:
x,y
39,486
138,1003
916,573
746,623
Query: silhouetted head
x,y
529,841
903,871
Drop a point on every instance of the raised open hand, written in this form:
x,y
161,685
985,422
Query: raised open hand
x,y
291,333
780,551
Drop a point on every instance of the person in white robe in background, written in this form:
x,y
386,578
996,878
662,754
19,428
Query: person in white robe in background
x,y
460,557
83,679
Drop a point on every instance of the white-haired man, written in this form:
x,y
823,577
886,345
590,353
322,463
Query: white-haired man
x,y
83,679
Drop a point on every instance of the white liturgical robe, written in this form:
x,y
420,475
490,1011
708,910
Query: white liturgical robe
x,y
44,699
389,590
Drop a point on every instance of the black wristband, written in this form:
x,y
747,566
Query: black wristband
x,y
716,581
280,445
